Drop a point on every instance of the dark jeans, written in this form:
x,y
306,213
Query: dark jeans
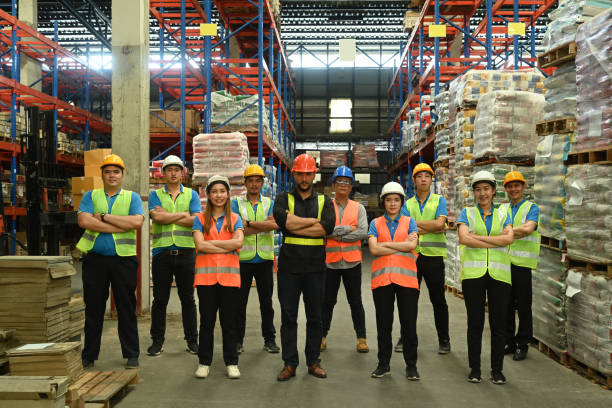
x,y
226,300
476,292
290,287
181,267
407,306
121,274
432,269
520,301
352,285
264,277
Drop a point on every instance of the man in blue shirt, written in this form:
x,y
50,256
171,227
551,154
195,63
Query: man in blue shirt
x,y
173,209
111,217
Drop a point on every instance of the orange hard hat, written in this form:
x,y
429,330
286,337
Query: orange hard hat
x,y
304,163
422,167
514,176
113,160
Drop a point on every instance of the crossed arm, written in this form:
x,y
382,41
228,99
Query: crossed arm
x,y
390,248
218,246
308,227
161,216
481,241
112,223
434,226
525,229
255,227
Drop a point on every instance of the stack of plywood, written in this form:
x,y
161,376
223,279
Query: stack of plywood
x,y
7,341
47,359
77,316
33,392
34,296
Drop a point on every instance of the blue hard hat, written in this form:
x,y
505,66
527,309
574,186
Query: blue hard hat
x,y
343,171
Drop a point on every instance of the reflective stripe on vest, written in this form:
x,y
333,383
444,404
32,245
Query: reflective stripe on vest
x,y
262,243
475,262
339,250
166,235
430,244
125,242
399,268
305,241
524,251
223,269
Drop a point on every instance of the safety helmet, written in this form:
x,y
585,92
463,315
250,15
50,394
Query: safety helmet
x,y
254,170
392,187
217,179
173,160
304,163
484,175
113,160
514,176
343,171
422,167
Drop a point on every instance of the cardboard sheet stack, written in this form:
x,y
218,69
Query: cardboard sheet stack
x,y
34,296
33,391
364,156
333,158
594,79
549,314
588,219
452,264
47,359
561,93
77,316
7,341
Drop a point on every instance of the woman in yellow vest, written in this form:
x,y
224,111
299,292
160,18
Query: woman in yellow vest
x,y
218,235
392,239
485,233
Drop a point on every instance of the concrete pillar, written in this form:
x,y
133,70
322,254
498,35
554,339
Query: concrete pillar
x,y
130,95
30,69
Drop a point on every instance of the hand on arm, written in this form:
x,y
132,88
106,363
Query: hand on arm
x,y
505,238
161,216
295,223
125,222
205,246
377,249
408,245
229,245
470,239
434,226
524,230
314,231
93,222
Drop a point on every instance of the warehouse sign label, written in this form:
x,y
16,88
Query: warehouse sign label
x,y
437,30
208,29
516,28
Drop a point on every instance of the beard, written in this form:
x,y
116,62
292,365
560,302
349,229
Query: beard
x,y
299,186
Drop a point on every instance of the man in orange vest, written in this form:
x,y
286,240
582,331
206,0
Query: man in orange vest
x,y
343,259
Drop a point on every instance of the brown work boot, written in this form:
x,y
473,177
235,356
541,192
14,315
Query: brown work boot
x,y
362,346
323,344
286,373
317,371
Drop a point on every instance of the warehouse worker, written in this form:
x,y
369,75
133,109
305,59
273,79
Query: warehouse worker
x,y
218,235
524,253
256,255
305,219
485,233
111,217
343,257
429,212
392,239
173,208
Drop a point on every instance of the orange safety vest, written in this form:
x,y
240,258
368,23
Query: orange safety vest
x,y
349,251
223,269
399,268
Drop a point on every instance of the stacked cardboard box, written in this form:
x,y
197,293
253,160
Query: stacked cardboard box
x,y
7,341
77,316
93,176
47,359
5,124
169,121
33,391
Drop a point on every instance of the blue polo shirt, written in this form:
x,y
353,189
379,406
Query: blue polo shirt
x,y
532,215
236,210
441,210
104,243
197,225
195,206
392,225
488,219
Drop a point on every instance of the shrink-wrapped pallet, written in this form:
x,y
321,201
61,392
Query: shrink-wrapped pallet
x,y
226,154
440,106
445,186
442,144
452,263
364,156
464,137
561,93
333,159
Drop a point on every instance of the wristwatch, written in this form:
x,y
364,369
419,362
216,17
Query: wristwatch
x,y
102,217
248,223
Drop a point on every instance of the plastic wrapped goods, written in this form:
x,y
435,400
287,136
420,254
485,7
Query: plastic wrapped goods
x,y
464,137
561,93
588,212
549,187
549,314
452,263
440,106
589,320
445,186
226,154
442,143
333,159
364,156
506,124
594,79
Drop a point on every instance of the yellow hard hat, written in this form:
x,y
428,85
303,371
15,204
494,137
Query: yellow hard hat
x,y
514,176
422,167
254,170
113,160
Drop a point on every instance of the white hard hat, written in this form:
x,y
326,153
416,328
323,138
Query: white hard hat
x,y
172,160
217,179
392,187
484,175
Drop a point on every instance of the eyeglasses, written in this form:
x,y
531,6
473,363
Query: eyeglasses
x,y
345,182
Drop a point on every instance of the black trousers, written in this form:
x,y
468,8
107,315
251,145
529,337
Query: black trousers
x,y
290,287
181,268
476,292
352,285
520,301
432,269
226,300
121,274
407,306
263,273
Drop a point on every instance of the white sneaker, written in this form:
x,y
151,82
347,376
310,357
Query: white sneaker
x,y
233,372
202,371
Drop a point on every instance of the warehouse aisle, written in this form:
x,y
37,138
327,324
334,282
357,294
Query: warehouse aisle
x,y
167,381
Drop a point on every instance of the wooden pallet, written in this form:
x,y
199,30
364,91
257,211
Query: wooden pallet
x,y
101,386
492,160
456,292
594,156
561,125
557,56
441,163
560,357
451,225
605,380
552,243
593,268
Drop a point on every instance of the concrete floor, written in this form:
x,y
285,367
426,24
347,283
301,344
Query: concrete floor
x,y
167,381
